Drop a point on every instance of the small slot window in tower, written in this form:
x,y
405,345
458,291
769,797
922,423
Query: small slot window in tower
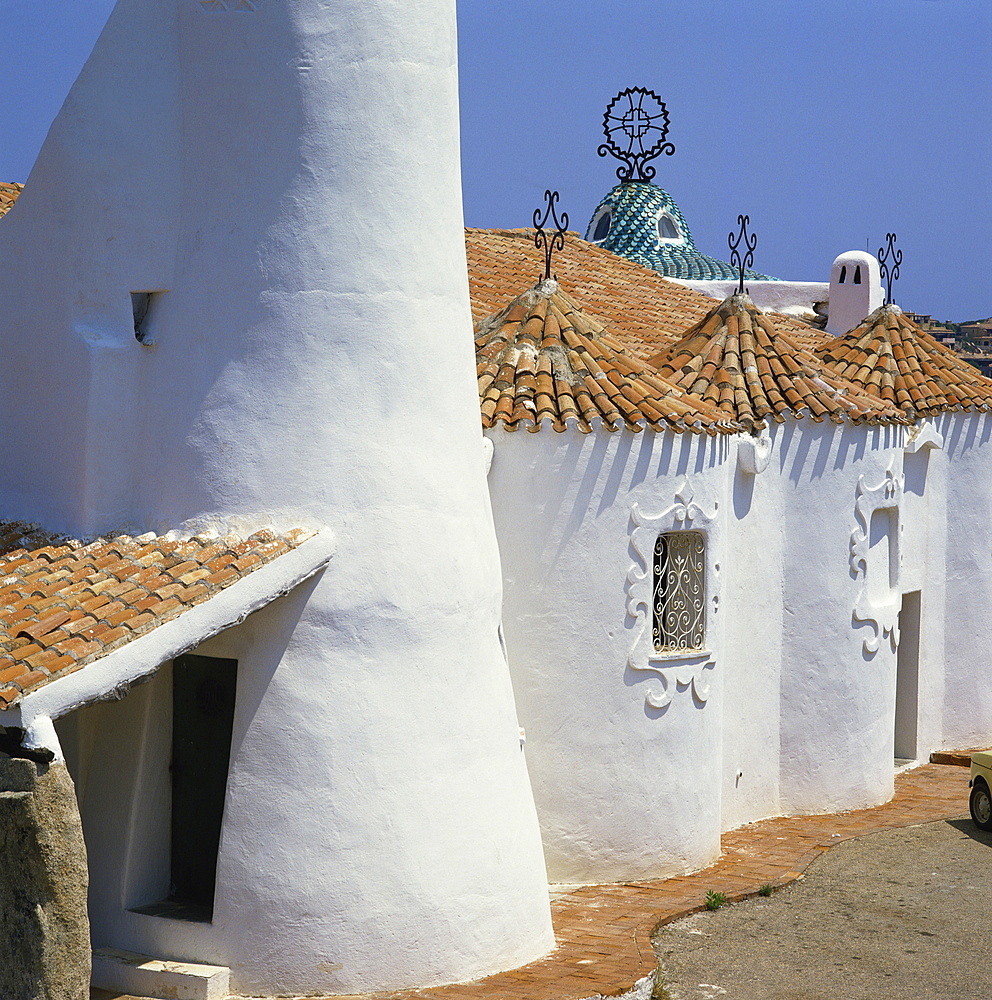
x,y
678,609
857,275
141,308
843,274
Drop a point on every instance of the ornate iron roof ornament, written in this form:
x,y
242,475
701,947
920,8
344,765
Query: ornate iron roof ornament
x,y
635,126
557,239
750,242
889,274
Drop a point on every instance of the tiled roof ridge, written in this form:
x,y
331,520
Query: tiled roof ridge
x,y
737,360
892,357
521,233
66,603
542,357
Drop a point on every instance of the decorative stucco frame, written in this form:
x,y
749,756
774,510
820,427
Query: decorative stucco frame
x,y
883,617
687,667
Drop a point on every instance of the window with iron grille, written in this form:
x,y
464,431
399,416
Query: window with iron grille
x,y
678,609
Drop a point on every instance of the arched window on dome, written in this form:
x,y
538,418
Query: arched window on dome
x,y
599,228
668,229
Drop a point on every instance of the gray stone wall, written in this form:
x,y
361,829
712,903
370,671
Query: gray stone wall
x,y
44,929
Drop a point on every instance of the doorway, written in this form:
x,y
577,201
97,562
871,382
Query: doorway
x,y
907,680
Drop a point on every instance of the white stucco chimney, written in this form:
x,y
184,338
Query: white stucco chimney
x,y
855,291
275,184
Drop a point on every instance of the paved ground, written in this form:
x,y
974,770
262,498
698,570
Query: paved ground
x,y
902,915
604,932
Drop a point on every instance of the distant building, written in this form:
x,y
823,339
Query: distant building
x,y
978,333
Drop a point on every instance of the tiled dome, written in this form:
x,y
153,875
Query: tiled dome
x,y
646,226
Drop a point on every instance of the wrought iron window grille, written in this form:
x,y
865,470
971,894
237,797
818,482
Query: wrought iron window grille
x,y
679,599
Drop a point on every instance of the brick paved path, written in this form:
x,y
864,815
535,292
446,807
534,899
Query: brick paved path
x,y
604,931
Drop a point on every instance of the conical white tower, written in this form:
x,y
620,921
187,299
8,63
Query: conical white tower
x,y
271,188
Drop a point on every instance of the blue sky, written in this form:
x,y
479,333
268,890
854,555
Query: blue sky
x,y
829,122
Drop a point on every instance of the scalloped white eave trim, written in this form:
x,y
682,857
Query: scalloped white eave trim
x,y
118,670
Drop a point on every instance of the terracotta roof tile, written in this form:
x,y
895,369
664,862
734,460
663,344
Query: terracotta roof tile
x,y
906,366
542,358
642,310
8,195
87,610
746,364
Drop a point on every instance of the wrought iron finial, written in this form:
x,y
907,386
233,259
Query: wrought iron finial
x,y
889,273
635,126
734,242
557,239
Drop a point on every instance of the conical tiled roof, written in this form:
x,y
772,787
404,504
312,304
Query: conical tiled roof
x,y
891,357
542,358
738,361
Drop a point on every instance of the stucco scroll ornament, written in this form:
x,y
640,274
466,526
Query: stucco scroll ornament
x,y
882,615
681,668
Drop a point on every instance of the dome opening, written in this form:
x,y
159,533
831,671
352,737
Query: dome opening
x,y
600,227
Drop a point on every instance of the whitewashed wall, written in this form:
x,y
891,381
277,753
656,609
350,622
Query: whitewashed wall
x,y
837,695
624,789
925,539
801,703
753,608
288,178
967,458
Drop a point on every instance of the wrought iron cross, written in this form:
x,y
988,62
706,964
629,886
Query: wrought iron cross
x,y
635,126
887,272
541,238
734,242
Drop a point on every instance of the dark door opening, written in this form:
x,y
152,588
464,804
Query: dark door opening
x,y
203,696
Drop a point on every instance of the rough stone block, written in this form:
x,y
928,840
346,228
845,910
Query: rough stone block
x,y
17,775
44,928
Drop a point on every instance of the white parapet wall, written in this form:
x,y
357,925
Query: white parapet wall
x,y
798,298
282,180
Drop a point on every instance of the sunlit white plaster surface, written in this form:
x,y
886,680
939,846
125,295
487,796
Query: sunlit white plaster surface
x,y
287,181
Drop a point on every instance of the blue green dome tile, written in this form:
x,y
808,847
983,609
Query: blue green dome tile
x,y
635,211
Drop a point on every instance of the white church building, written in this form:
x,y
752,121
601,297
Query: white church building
x,y
345,675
